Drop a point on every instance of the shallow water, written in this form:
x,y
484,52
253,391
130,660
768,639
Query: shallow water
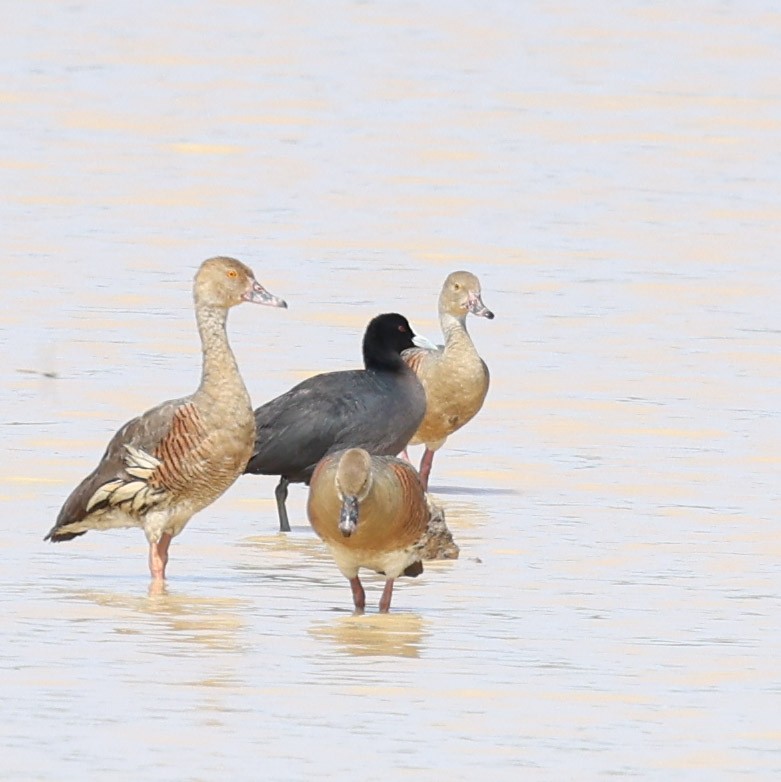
x,y
612,178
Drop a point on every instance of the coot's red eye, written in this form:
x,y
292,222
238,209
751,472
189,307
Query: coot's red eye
x,y
402,329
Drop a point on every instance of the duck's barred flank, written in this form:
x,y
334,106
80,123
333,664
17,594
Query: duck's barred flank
x,y
179,460
412,493
182,452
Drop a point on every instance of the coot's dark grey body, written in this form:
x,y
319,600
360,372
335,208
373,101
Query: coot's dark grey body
x,y
378,408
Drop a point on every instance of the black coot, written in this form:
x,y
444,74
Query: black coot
x,y
378,408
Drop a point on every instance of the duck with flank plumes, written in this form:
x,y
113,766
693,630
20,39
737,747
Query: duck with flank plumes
x,y
171,462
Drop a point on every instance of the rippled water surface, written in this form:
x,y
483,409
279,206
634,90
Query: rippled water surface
x,y
613,177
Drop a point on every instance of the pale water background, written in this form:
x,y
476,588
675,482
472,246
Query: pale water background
x,y
612,173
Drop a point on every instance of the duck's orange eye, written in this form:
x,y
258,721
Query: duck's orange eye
x,y
232,273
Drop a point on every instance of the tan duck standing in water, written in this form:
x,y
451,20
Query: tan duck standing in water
x,y
372,513
164,466
454,376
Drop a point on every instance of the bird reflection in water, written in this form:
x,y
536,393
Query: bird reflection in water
x,y
374,635
165,617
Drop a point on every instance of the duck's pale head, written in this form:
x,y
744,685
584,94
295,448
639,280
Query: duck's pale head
x,y
226,282
353,482
461,294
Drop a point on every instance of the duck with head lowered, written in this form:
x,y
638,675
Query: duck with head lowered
x,y
372,513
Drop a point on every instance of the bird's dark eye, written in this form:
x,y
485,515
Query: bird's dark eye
x,y
402,329
456,287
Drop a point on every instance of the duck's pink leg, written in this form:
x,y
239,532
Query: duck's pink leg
x,y
359,596
425,467
157,589
158,557
387,594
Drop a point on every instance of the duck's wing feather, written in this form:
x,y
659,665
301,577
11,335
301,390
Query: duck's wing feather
x,y
134,472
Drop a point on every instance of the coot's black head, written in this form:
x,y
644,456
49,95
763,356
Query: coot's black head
x,y
385,338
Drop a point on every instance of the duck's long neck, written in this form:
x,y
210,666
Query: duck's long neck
x,y
454,331
220,377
